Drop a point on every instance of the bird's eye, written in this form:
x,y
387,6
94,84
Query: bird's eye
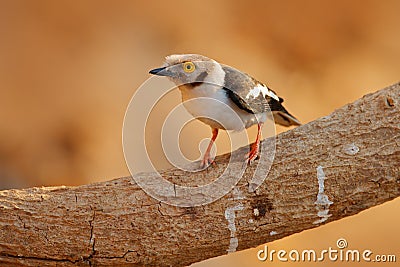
x,y
189,67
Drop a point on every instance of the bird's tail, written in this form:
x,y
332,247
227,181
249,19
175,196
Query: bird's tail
x,y
284,118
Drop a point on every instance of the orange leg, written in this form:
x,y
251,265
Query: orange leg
x,y
207,160
255,148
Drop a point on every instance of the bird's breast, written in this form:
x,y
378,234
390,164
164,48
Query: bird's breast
x,y
211,105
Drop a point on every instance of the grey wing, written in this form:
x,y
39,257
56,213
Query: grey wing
x,y
237,85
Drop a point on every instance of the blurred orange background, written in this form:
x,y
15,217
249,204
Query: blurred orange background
x,y
69,68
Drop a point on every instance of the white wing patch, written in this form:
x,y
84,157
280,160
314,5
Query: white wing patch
x,y
255,92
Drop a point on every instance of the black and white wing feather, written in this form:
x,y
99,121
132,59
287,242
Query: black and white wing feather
x,y
255,97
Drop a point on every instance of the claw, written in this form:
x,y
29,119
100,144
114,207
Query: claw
x,y
253,154
255,148
207,161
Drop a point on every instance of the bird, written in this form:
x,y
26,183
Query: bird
x,y
250,101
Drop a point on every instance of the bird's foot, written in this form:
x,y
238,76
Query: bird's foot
x,y
207,161
253,154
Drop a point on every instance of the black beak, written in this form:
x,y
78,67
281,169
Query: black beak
x,y
159,71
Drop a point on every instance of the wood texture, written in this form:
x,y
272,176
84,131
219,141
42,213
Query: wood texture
x,y
115,223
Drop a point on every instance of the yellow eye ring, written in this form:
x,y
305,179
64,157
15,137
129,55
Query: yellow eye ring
x,y
189,67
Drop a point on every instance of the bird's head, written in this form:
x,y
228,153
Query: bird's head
x,y
186,68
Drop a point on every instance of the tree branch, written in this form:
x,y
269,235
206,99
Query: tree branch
x,y
325,170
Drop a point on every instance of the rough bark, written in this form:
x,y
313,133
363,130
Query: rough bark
x,y
356,149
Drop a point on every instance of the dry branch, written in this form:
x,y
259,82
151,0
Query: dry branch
x,y
114,223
